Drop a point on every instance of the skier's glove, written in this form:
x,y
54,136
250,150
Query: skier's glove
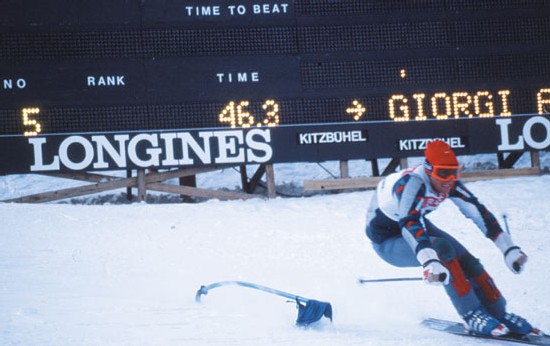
x,y
433,272
514,258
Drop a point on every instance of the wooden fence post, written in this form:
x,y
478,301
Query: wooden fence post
x,y
141,185
344,169
270,176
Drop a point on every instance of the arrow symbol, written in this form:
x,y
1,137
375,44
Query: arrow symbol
x,y
357,110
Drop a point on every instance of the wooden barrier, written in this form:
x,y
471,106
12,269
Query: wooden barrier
x,y
346,183
143,182
371,182
153,181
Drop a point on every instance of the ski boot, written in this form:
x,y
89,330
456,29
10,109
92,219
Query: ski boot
x,y
519,325
479,322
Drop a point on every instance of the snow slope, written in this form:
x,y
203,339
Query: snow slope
x,y
127,274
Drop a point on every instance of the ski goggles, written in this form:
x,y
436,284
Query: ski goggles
x,y
446,173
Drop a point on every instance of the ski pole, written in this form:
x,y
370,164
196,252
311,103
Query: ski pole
x,y
505,217
364,281
440,278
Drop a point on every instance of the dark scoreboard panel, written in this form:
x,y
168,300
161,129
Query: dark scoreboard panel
x,y
123,66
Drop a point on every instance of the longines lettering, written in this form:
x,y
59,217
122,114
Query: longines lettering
x,y
507,142
153,150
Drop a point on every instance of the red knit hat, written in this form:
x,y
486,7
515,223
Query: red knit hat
x,y
440,153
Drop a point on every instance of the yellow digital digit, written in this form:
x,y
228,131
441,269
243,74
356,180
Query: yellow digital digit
x,y
236,115
244,119
272,113
28,122
227,115
543,101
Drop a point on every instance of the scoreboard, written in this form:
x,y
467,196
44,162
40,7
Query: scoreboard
x,y
109,84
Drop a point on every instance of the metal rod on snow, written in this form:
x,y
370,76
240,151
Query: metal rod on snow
x,y
204,290
364,281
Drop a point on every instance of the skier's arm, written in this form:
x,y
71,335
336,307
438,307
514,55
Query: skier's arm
x,y
410,191
470,206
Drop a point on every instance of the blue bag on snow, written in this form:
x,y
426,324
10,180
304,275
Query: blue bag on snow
x,y
312,311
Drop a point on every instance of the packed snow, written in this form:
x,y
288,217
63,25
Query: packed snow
x,y
81,272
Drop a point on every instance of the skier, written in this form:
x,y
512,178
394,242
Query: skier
x,y
402,236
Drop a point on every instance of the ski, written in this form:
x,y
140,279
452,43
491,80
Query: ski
x,y
459,329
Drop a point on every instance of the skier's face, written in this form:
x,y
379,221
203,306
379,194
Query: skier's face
x,y
441,186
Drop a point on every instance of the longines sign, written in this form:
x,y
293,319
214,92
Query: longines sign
x,y
78,152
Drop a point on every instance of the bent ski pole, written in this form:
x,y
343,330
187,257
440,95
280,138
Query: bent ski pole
x,y
204,290
309,310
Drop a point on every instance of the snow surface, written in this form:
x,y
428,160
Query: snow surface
x,y
127,274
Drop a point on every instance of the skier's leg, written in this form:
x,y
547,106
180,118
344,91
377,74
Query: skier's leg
x,y
396,252
473,272
462,294
491,298
483,284
459,290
